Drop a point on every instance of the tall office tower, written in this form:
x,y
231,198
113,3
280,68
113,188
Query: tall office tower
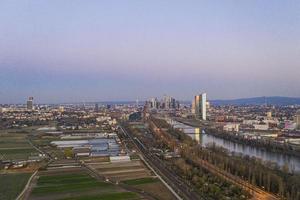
x,y
194,106
137,103
30,103
200,106
154,103
298,119
173,103
269,115
168,103
96,107
177,104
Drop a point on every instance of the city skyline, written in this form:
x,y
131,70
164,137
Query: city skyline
x,y
75,51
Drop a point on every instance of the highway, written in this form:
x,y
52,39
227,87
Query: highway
x,y
179,186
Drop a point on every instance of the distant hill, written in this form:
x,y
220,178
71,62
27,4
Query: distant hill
x,y
259,101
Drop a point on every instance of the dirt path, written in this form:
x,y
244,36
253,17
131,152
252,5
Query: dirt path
x,y
28,187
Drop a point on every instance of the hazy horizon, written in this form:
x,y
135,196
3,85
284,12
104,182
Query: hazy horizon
x,y
76,51
37,100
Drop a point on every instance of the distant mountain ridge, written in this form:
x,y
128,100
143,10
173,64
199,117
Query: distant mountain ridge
x,y
274,100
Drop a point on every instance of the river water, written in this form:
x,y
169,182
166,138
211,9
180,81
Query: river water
x,y
204,140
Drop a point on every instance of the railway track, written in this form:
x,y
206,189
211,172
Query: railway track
x,y
177,183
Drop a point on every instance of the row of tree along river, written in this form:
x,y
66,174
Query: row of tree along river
x,y
205,140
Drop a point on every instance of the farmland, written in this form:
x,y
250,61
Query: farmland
x,y
151,185
69,182
122,170
112,196
14,146
74,184
12,184
141,181
60,177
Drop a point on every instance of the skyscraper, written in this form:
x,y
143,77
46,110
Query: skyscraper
x,y
269,115
297,119
154,103
137,103
168,103
199,106
30,103
96,107
194,107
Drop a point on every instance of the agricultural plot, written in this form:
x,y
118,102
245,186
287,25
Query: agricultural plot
x,y
151,185
141,181
12,184
111,196
43,142
75,184
15,146
121,171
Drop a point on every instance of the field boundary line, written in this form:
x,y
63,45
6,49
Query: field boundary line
x,y
26,186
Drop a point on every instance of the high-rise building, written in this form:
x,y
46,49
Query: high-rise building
x,y
61,109
269,115
154,104
193,107
30,103
297,119
137,103
168,103
96,107
200,106
177,105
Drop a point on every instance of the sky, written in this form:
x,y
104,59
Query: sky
x,y
75,51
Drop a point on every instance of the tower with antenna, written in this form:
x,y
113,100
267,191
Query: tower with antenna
x,y
137,102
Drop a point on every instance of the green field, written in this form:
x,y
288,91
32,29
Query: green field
x,y
141,181
77,186
17,153
14,146
67,183
10,140
12,184
6,142
112,196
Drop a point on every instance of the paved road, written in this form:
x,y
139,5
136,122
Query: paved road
x,y
179,186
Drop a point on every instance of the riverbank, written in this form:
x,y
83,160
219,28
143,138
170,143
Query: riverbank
x,y
262,144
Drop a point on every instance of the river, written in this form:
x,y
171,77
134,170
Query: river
x,y
204,139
